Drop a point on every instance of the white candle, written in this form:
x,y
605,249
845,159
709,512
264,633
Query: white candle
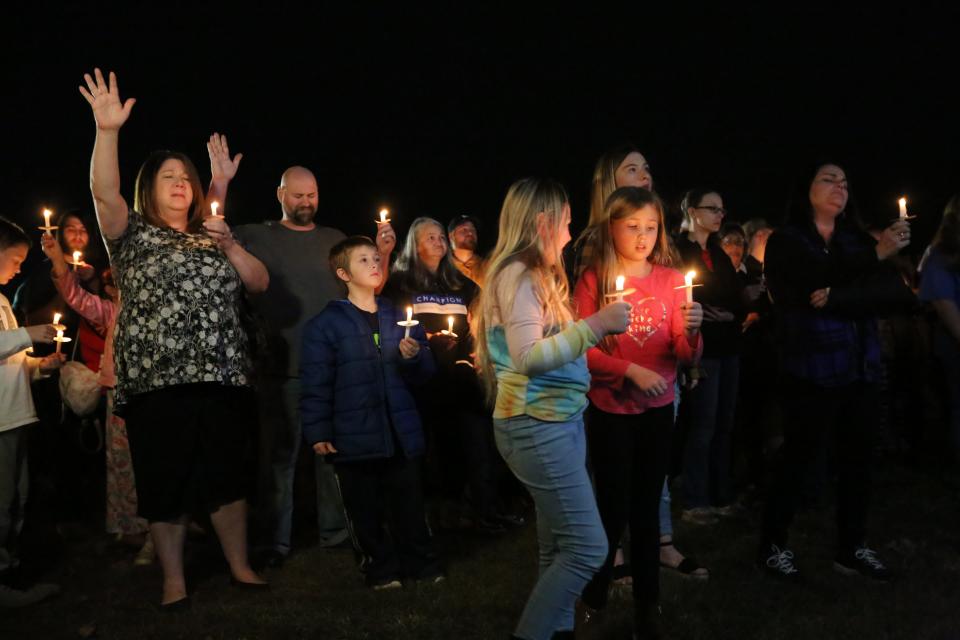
x,y
406,332
214,206
46,217
383,215
903,208
56,318
688,279
76,259
59,339
620,281
450,324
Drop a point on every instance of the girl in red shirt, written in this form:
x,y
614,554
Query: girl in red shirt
x,y
632,387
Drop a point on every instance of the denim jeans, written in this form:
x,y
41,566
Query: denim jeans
x,y
706,455
281,435
549,458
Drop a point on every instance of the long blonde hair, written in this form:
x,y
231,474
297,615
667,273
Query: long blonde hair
x,y
604,183
519,241
601,254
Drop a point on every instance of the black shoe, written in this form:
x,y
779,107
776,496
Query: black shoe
x,y
778,562
863,561
249,586
177,606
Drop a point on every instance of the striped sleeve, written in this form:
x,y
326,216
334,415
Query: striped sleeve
x,y
531,353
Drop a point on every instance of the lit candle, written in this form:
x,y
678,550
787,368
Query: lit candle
x,y
620,281
688,279
409,322
450,324
56,318
383,216
59,339
903,208
214,206
76,259
46,217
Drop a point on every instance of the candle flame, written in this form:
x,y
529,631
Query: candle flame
x,y
409,314
903,202
383,215
76,257
46,217
620,281
214,206
56,318
450,323
689,278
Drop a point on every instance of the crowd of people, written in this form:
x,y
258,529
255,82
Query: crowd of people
x,y
448,387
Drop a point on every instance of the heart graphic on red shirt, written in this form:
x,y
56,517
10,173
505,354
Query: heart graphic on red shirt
x,y
646,316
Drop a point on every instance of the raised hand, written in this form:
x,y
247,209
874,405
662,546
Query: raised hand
x,y
221,166
108,112
386,240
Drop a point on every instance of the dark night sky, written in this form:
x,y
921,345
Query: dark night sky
x,y
436,114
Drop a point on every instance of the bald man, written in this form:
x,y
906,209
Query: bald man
x,y
294,250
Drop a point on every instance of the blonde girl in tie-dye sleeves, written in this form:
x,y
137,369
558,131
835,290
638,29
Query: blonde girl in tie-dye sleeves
x,y
531,355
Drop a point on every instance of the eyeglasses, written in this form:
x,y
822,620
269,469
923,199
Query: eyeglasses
x,y
712,209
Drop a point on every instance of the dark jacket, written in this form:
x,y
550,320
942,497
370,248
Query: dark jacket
x,y
838,344
721,288
355,393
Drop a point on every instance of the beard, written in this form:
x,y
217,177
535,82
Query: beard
x,y
302,216
470,244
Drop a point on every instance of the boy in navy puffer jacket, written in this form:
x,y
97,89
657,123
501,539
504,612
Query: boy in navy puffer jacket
x,y
356,407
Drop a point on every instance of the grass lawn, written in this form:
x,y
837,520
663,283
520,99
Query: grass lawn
x,y
318,593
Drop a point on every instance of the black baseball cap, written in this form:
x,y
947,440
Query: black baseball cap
x,y
463,219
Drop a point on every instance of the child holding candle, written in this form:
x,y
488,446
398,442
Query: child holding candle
x,y
17,372
532,360
356,407
101,313
632,385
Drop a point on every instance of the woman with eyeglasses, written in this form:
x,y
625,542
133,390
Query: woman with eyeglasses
x,y
828,282
710,404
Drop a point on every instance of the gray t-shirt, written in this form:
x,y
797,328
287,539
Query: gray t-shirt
x,y
301,285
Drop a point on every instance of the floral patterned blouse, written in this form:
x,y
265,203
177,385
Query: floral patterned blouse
x,y
180,318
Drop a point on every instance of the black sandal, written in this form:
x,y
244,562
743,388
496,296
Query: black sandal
x,y
688,567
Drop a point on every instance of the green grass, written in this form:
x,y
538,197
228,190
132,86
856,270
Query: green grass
x,y
318,594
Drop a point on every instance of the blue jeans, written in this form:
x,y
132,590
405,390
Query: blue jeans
x,y
281,432
706,454
549,458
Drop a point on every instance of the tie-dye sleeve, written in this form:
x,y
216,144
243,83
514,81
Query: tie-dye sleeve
x,y
531,353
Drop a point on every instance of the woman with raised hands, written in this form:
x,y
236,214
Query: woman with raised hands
x,y
181,355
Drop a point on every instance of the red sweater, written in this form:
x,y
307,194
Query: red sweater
x,y
655,340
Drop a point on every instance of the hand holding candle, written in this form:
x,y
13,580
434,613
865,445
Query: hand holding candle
x,y
689,285
47,227
449,331
620,291
409,322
